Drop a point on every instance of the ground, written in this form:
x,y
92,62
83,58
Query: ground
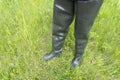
x,y
25,36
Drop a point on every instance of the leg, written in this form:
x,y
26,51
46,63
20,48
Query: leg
x,y
62,18
86,12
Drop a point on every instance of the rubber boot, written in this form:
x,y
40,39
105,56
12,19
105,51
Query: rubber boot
x,y
62,18
86,12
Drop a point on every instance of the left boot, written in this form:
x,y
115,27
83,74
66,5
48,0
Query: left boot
x,y
63,15
86,12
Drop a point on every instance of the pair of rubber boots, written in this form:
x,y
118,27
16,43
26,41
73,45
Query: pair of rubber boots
x,y
84,12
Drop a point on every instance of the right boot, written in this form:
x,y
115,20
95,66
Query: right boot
x,y
86,12
62,17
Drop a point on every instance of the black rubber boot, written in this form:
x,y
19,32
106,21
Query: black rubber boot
x,y
86,11
62,18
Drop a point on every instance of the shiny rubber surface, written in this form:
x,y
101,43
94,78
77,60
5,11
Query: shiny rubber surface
x,y
84,12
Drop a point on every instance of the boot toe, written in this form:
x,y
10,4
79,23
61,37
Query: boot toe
x,y
51,55
75,63
47,57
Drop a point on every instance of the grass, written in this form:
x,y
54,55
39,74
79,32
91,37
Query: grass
x,y
25,36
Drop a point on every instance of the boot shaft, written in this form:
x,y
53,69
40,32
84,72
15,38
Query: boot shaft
x,y
63,15
85,13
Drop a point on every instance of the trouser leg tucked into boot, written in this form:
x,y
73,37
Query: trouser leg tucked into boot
x,y
86,11
62,18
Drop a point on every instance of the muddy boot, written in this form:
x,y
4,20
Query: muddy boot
x,y
86,12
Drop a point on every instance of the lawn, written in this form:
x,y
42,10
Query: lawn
x,y
25,36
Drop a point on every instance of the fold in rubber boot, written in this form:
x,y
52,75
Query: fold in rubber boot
x,y
62,18
86,12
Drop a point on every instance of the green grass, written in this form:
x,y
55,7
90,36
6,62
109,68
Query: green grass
x,y
25,36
